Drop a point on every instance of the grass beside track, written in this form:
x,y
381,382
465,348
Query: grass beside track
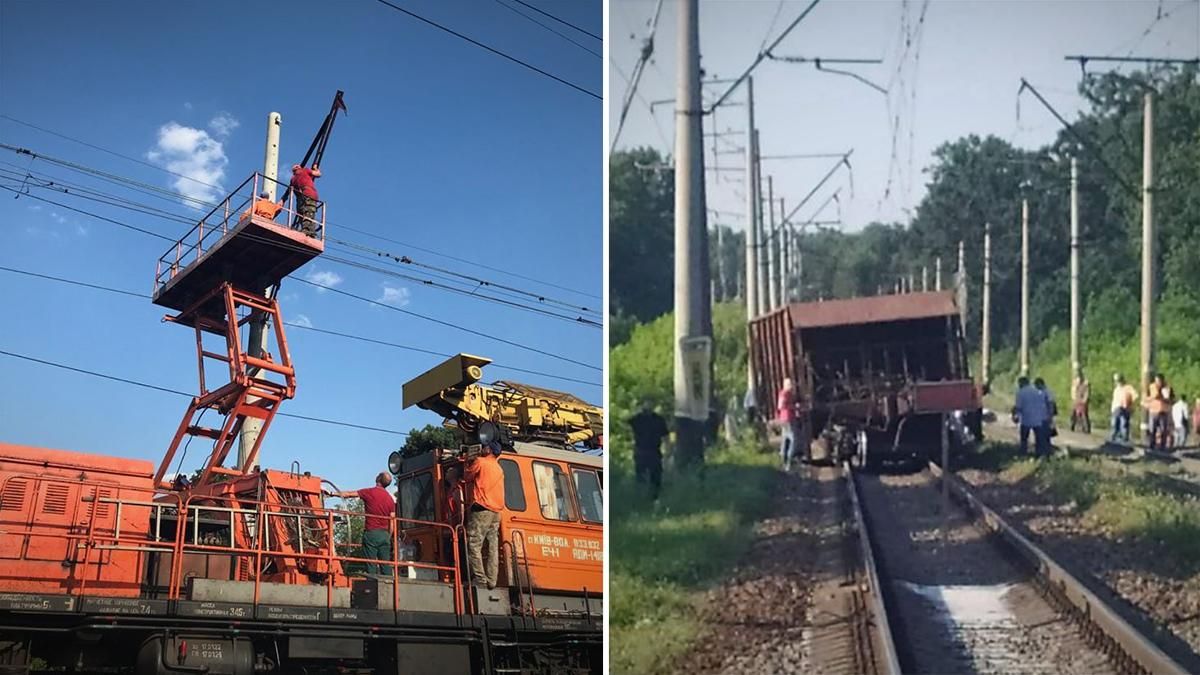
x,y
1126,503
665,555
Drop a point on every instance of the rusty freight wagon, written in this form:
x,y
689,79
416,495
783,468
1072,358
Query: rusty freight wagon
x,y
874,376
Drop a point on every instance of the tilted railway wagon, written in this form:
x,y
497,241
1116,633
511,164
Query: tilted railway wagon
x,y
875,377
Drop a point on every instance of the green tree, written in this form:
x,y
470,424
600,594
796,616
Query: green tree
x,y
428,439
641,234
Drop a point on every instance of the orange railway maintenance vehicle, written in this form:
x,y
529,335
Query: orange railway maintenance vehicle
x,y
110,564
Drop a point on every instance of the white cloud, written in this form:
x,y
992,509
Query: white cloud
x,y
187,105
35,207
58,218
302,320
393,295
196,156
223,124
324,278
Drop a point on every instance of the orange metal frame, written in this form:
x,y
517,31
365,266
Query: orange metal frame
x,y
247,394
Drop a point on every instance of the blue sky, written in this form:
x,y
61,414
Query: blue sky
x,y
446,148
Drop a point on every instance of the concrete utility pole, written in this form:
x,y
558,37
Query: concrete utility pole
x,y
924,278
1074,267
691,392
719,284
772,248
961,281
985,345
256,344
1024,286
937,273
911,285
1148,244
760,277
799,267
785,258
752,198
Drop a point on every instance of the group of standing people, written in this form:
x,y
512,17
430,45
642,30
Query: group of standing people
x,y
484,482
1034,411
1170,420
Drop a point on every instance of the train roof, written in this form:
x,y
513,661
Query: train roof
x,y
874,309
67,459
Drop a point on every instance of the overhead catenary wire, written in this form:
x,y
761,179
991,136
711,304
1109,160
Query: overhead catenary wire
x,y
568,38
361,298
155,387
493,50
293,324
639,68
555,18
57,184
762,54
168,192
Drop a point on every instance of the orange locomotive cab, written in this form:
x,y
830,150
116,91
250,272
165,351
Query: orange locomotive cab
x,y
551,528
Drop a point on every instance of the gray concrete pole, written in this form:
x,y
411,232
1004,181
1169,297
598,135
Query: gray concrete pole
x,y
1024,286
772,248
764,298
256,343
752,198
1148,243
690,232
719,284
937,273
785,258
985,345
752,227
924,278
961,281
799,267
1074,267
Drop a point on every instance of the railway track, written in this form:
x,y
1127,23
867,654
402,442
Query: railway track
x,y
948,586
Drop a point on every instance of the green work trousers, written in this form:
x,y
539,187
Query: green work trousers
x,y
483,525
377,545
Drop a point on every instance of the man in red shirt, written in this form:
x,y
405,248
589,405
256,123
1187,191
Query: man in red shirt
x,y
306,198
379,507
486,479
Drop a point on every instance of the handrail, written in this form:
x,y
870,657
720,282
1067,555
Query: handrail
x,y
528,574
215,225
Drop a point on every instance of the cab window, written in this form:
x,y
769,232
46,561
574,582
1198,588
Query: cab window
x,y
514,491
416,498
554,492
591,502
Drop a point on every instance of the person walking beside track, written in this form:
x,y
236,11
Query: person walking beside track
x,y
649,429
1031,411
785,415
379,506
1081,392
483,521
1158,405
1179,419
1123,398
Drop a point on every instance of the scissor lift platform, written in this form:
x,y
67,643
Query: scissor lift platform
x,y
233,245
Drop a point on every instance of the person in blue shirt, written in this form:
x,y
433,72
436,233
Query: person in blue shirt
x,y
1032,412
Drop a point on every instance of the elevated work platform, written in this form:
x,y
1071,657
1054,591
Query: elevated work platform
x,y
243,241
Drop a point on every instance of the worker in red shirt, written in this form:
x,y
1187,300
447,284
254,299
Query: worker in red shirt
x,y
379,507
306,198
486,480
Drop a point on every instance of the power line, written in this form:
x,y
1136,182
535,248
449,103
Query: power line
x,y
551,16
155,387
552,30
638,69
199,202
292,324
493,50
762,54
447,323
112,200
368,300
87,213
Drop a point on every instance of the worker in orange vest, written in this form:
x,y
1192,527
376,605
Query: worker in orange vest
x,y
483,519
306,198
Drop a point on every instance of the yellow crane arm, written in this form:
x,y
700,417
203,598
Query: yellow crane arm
x,y
529,414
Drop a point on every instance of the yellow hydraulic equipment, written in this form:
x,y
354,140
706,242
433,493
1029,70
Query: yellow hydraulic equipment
x,y
519,412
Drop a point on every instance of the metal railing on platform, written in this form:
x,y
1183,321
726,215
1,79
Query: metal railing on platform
x,y
226,216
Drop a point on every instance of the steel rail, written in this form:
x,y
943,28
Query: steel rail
x,y
1089,607
891,662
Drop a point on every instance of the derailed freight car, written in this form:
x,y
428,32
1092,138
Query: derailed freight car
x,y
875,377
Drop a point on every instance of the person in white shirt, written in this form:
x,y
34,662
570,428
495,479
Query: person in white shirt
x,y
1179,420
